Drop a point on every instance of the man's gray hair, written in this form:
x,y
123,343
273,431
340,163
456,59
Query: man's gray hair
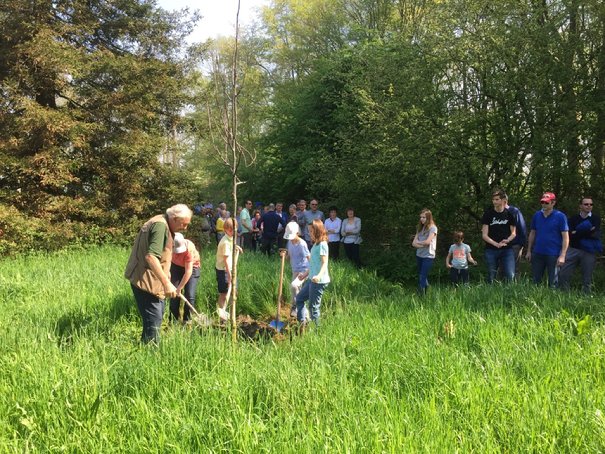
x,y
179,210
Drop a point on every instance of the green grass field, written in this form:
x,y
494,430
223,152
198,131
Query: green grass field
x,y
485,369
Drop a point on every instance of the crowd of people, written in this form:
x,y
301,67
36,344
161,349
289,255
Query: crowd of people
x,y
261,228
163,264
555,244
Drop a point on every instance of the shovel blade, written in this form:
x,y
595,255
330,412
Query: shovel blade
x,y
276,325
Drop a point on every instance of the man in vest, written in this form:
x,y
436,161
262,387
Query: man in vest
x,y
148,268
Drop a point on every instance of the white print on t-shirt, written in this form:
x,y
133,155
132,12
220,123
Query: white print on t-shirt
x,y
499,221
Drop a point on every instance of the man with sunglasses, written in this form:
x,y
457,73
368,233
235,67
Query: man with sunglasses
x,y
584,244
310,216
548,240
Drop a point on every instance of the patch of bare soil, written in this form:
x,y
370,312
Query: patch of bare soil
x,y
253,329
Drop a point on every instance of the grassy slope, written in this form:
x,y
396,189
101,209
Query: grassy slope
x,y
382,374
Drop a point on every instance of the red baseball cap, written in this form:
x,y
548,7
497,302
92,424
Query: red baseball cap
x,y
548,197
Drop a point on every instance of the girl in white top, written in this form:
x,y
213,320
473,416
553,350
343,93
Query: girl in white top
x,y
425,242
351,233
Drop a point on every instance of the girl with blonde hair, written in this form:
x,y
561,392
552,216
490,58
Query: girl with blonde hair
x,y
425,242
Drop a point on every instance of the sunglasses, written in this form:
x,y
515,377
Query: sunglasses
x,y
545,203
587,204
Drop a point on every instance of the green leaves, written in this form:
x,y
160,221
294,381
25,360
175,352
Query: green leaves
x,y
90,93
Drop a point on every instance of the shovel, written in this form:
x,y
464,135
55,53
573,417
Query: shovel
x,y
202,320
276,324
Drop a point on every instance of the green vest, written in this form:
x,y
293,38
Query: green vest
x,y
137,270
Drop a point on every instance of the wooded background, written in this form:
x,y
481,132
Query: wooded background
x,y
388,106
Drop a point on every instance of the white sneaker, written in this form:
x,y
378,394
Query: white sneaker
x,y
222,314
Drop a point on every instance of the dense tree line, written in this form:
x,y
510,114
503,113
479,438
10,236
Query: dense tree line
x,y
385,105
392,105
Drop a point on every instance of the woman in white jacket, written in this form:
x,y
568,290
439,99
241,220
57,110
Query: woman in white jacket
x,y
351,235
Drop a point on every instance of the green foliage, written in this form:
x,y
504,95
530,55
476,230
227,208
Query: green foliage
x,y
90,91
435,104
483,369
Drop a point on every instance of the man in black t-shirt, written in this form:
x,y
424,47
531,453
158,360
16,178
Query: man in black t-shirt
x,y
499,227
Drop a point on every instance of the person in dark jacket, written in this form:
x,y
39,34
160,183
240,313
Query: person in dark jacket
x,y
270,222
584,245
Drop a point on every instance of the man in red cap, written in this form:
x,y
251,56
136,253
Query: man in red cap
x,y
548,240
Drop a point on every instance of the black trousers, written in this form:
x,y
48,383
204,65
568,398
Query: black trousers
x,y
334,249
352,252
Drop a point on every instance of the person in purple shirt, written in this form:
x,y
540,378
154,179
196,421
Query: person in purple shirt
x,y
548,240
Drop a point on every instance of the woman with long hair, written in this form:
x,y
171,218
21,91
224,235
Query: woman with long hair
x,y
314,287
425,242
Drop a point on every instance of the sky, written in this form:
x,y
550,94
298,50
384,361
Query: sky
x,y
218,16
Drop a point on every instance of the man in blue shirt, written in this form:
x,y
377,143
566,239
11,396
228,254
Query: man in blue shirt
x,y
548,240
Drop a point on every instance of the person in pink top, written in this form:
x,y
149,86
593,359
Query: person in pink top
x,y
184,275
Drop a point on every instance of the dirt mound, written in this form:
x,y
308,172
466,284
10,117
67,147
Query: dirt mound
x,y
253,329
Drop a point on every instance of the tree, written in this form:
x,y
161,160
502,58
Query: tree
x,y
224,128
90,91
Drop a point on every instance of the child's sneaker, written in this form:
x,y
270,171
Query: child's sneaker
x,y
222,314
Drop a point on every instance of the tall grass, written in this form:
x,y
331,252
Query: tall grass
x,y
484,369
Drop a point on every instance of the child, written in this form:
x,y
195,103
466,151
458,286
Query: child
x,y
184,274
425,242
458,258
313,288
298,254
223,266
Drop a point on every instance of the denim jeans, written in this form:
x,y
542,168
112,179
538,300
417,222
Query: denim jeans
x,y
151,309
541,262
505,258
587,261
176,274
294,291
311,292
424,265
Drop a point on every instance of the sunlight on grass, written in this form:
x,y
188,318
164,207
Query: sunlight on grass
x,y
483,369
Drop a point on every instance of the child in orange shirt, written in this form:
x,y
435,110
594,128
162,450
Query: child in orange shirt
x,y
184,275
